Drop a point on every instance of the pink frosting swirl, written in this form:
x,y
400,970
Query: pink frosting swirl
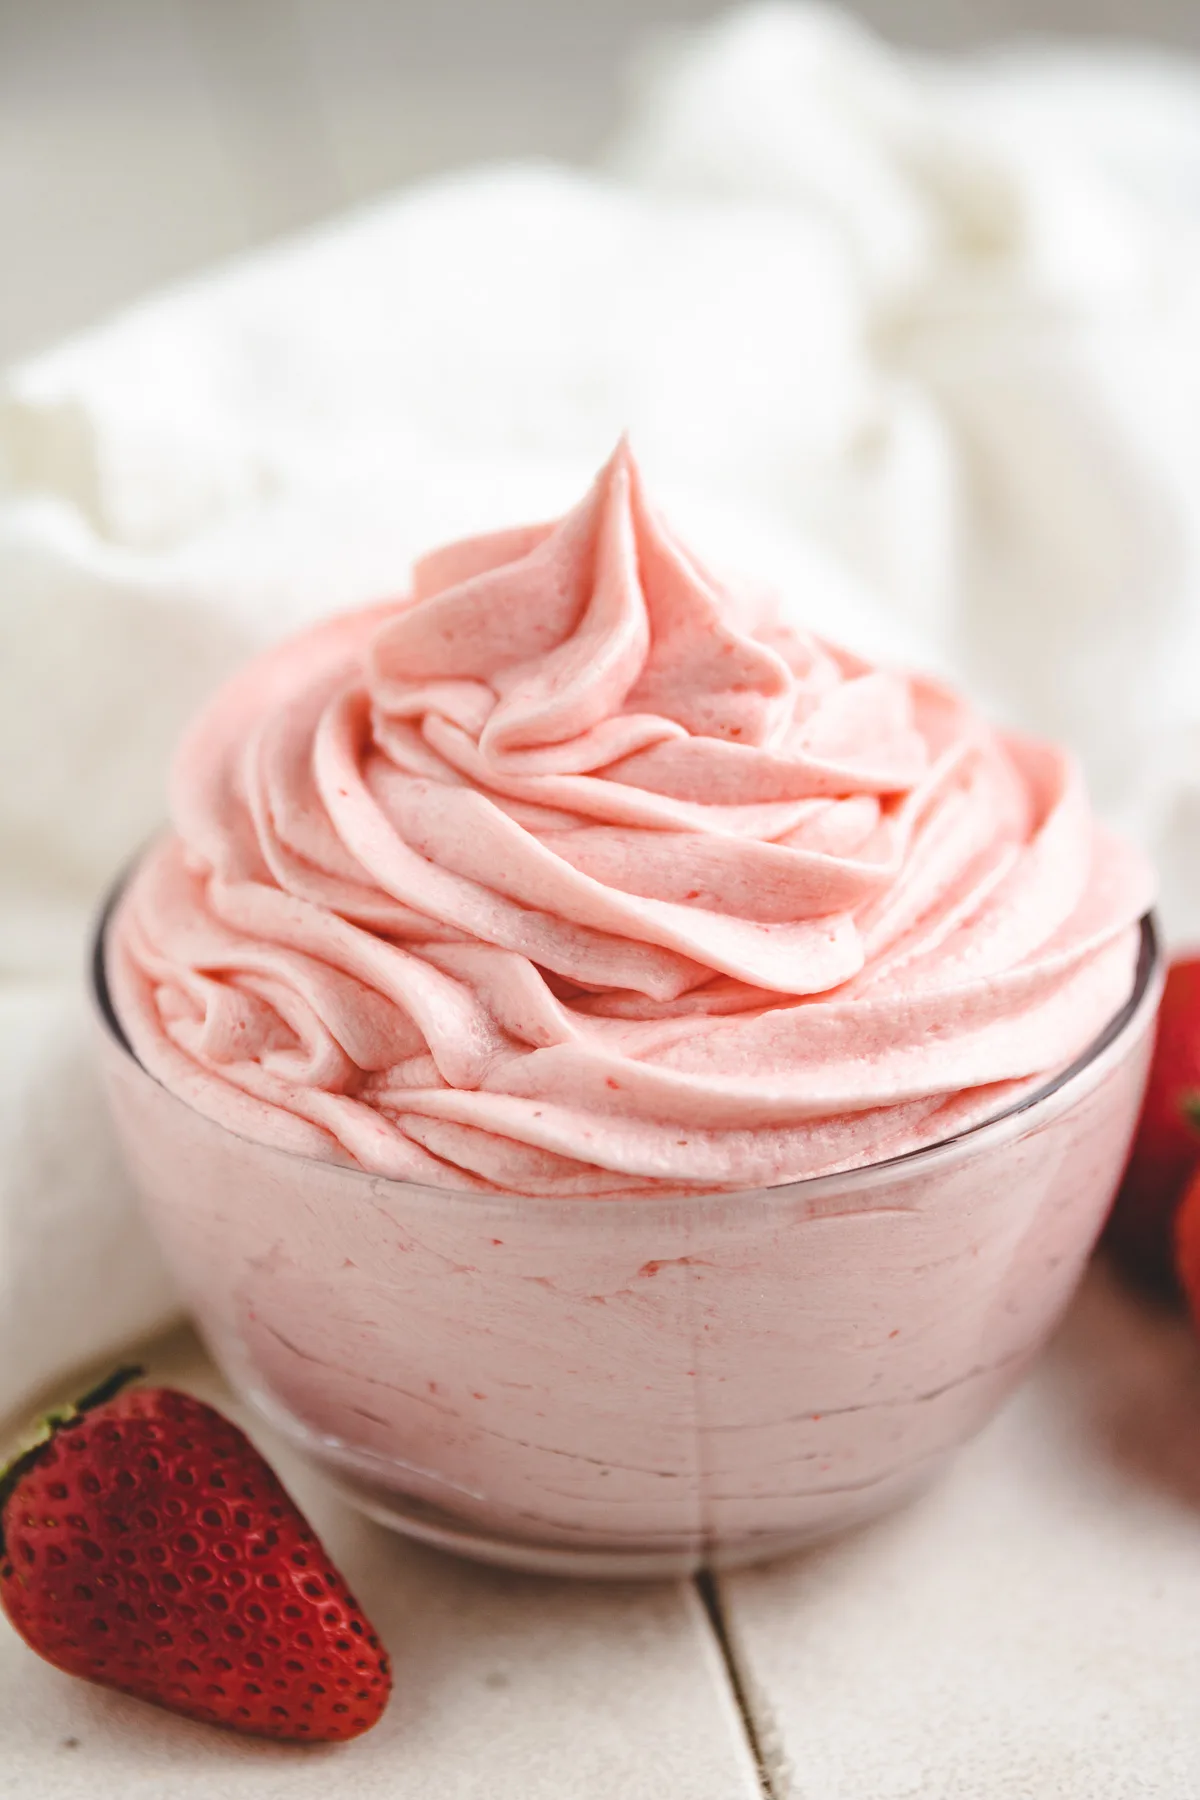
x,y
580,871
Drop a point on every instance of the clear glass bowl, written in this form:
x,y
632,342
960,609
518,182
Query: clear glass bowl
x,y
605,1387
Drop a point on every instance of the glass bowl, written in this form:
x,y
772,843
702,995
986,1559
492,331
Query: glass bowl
x,y
636,1387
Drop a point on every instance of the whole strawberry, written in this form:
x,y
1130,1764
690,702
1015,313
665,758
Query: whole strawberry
x,y
1166,1151
146,1545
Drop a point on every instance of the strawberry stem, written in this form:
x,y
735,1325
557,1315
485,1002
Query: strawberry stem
x,y
48,1428
1190,1108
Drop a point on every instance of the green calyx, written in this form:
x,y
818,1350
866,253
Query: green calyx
x,y
1189,1106
48,1428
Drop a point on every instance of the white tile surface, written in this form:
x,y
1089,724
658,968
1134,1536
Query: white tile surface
x,y
507,1688
1031,1629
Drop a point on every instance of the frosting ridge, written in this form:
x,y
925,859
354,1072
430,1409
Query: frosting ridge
x,y
579,870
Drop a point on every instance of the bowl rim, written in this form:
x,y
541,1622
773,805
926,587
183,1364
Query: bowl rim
x,y
1051,1097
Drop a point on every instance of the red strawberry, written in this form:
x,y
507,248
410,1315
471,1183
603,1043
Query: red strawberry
x,y
1187,1244
146,1545
1166,1150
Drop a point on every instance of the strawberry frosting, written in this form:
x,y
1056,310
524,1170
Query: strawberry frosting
x,y
580,871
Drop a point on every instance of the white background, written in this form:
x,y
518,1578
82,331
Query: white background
x,y
141,139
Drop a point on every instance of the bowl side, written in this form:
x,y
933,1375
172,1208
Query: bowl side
x,y
636,1386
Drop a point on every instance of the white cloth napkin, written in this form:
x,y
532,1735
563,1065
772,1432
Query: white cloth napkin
x,y
918,340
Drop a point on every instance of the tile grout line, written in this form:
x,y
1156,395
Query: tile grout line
x,y
710,1599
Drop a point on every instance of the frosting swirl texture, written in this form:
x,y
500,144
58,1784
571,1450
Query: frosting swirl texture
x,y
580,871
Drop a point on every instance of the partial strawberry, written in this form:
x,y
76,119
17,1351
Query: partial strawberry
x,y
1187,1245
146,1545
1166,1150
